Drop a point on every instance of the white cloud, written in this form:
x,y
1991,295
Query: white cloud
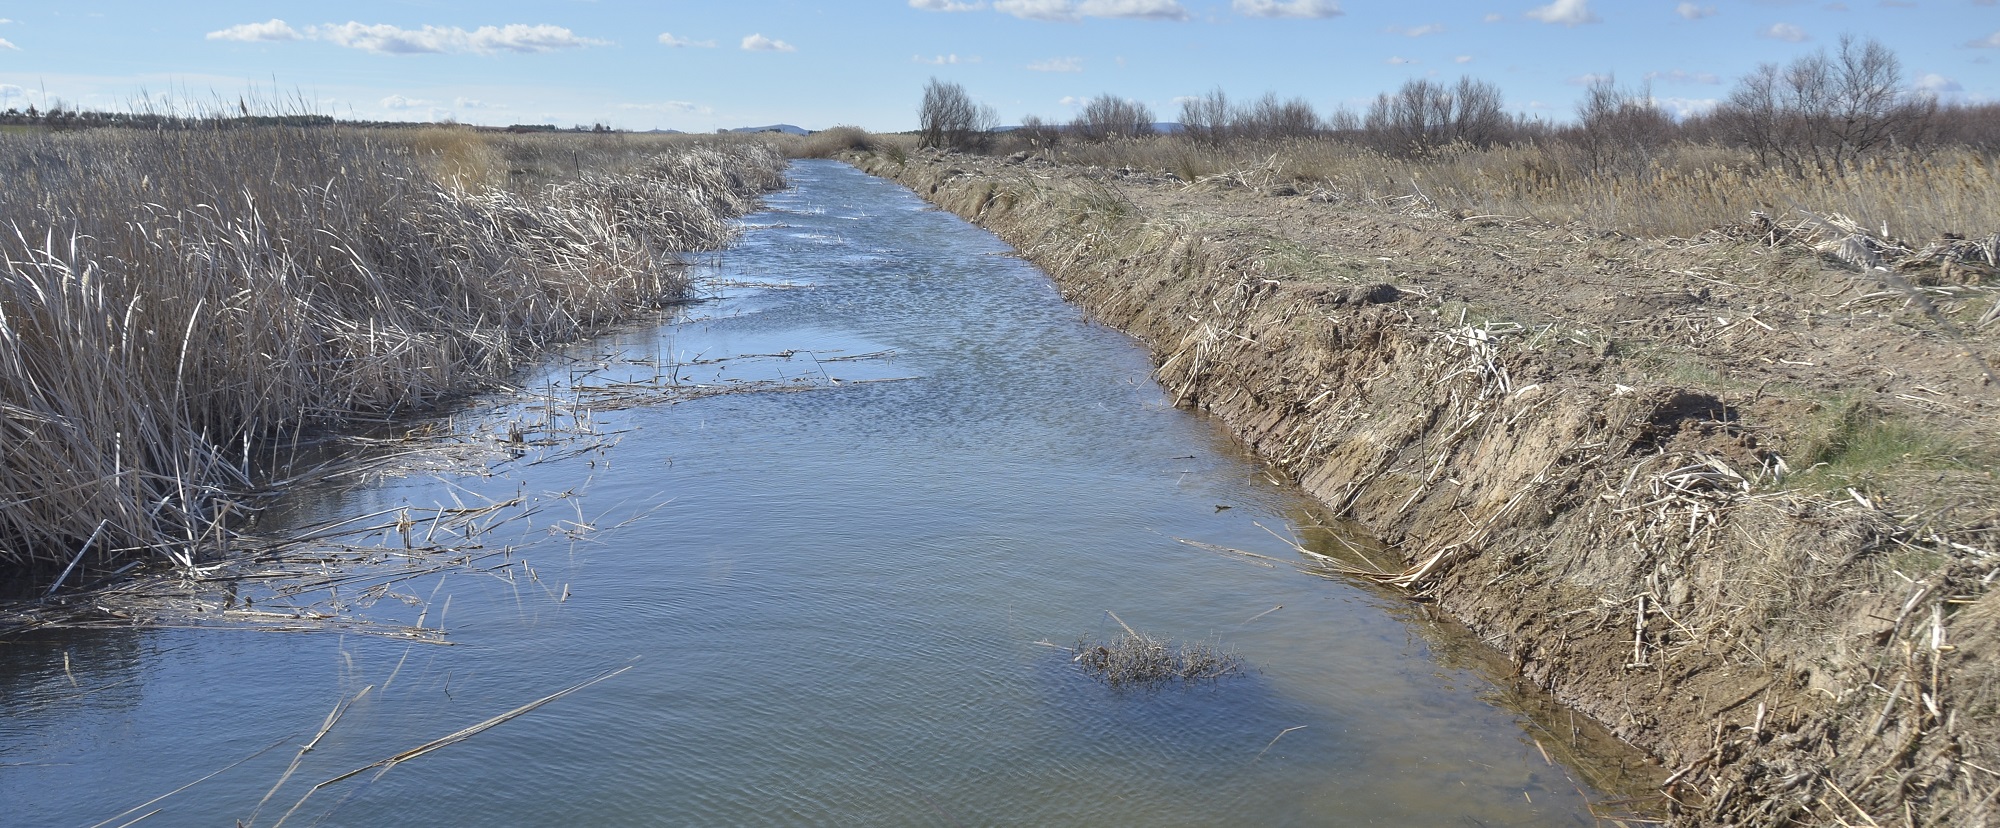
x,y
1037,9
8,44
1462,59
945,5
760,43
1566,12
1288,8
672,107
1417,31
1936,83
385,39
1694,12
1785,32
1140,9
1075,9
1991,41
1589,78
475,103
1686,107
1684,76
669,39
944,60
1063,64
400,102
1070,100
273,29
1494,17
1399,60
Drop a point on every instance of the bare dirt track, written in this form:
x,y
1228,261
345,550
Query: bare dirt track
x,y
1733,496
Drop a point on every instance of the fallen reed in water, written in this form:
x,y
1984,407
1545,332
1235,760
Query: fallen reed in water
x,y
176,305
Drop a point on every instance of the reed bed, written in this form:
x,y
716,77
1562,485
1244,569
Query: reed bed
x,y
177,308
1681,189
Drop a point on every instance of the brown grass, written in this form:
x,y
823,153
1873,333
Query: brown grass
x,y
175,304
1681,190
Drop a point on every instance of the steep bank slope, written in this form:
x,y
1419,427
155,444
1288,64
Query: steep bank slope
x,y
1727,497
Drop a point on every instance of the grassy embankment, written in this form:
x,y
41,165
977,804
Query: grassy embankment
x,y
1668,475
1681,189
176,305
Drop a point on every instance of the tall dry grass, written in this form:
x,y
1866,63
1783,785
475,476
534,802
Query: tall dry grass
x,y
1682,189
174,303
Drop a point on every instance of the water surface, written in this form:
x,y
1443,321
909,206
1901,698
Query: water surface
x,y
845,607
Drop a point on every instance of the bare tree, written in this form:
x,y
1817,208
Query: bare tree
x,y
1270,118
1109,116
1621,126
1823,111
949,119
1424,115
1205,120
1039,133
1478,116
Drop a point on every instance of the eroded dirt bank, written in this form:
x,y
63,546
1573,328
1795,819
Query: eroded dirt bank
x,y
1727,495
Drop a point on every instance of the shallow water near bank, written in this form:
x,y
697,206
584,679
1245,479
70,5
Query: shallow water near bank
x,y
844,600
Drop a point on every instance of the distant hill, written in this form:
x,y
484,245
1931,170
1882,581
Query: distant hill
x,y
787,129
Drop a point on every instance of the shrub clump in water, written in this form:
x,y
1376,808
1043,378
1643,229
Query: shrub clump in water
x,y
1137,660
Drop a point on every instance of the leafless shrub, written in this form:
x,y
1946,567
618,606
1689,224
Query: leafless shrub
x,y
949,119
1109,116
1035,134
1424,115
1822,112
1272,119
1205,120
1620,127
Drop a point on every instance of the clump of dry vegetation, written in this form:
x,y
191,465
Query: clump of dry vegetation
x,y
178,306
830,143
1137,660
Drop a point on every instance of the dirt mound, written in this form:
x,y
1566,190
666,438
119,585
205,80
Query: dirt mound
x,y
1731,496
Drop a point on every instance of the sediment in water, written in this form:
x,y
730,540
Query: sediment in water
x,y
1791,653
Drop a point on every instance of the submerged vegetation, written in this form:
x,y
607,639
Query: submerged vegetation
x,y
179,306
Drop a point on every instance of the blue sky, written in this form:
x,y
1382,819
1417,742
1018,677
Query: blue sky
x,y
700,66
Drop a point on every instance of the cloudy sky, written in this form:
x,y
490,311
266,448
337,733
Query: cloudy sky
x,y
700,66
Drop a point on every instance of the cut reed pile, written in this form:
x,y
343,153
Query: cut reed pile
x,y
177,305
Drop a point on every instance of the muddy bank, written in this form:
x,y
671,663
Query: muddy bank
x,y
1727,495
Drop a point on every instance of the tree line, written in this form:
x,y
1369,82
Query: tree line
x,y
1820,112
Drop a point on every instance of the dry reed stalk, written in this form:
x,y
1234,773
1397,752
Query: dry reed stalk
x,y
382,766
168,326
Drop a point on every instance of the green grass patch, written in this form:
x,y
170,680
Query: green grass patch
x,y
1852,444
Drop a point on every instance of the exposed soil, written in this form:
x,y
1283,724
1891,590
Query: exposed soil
x,y
1732,496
